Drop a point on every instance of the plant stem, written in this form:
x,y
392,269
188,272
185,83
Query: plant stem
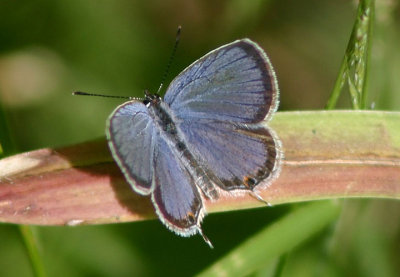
x,y
33,252
275,240
355,65
337,88
8,147
368,49
328,155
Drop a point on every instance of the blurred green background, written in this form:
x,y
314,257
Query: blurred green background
x,y
50,48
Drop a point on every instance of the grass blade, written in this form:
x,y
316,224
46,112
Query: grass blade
x,y
356,62
328,155
8,147
275,240
33,251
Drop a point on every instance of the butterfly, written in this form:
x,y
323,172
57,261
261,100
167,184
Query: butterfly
x,y
208,135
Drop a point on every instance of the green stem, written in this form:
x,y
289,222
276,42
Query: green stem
x,y
281,265
8,147
33,251
328,154
275,240
368,56
331,104
355,65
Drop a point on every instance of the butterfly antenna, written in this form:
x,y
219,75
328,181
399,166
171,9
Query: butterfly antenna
x,y
205,237
104,95
177,39
259,198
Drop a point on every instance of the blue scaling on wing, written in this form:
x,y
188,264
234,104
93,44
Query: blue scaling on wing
x,y
239,157
176,197
234,83
132,138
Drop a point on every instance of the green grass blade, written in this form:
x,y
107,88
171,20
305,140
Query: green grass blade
x,y
8,147
33,251
275,240
328,155
337,88
356,62
365,84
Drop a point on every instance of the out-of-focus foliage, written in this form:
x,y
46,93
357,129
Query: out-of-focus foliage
x,y
50,48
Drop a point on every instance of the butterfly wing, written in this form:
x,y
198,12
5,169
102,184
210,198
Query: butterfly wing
x,y
176,197
151,165
234,83
240,157
218,101
132,138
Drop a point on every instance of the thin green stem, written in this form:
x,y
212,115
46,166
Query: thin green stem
x,y
275,240
333,98
8,147
33,251
281,265
356,61
368,49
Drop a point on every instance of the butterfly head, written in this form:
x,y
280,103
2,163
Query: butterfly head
x,y
150,98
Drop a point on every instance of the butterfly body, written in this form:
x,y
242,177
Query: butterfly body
x,y
208,136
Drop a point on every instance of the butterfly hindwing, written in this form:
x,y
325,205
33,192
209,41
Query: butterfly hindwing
x,y
239,157
176,197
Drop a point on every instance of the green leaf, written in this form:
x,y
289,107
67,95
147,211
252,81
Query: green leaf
x,y
335,154
356,62
275,240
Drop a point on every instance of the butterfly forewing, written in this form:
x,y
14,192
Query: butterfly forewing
x,y
219,101
233,83
132,137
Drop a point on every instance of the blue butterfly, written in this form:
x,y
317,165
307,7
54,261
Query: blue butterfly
x,y
206,137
